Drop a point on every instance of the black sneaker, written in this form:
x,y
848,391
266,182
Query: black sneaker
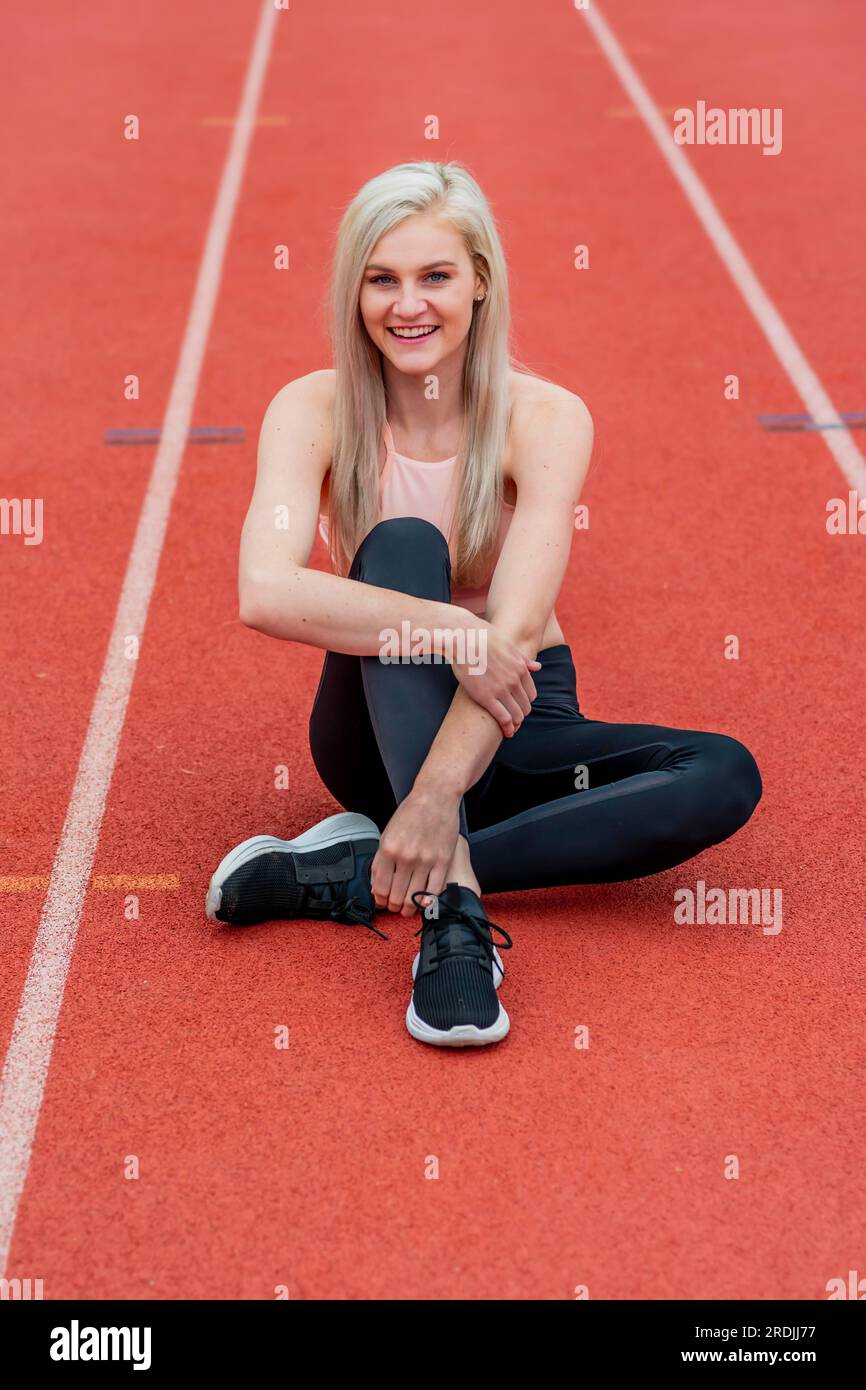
x,y
457,973
324,873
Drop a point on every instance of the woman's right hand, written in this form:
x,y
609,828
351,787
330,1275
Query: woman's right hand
x,y
498,677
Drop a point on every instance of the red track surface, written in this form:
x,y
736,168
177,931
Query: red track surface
x,y
558,1167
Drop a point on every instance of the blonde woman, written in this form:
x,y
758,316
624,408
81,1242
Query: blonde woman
x,y
444,477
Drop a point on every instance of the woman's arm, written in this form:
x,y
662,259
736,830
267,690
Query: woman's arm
x,y
278,595
552,449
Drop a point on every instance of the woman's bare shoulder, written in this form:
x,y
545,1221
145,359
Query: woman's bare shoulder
x,y
531,419
315,389
306,403
527,391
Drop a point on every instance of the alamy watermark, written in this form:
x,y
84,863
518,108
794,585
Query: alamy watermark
x,y
22,1290
22,516
846,518
739,125
855,1287
77,1343
714,907
419,645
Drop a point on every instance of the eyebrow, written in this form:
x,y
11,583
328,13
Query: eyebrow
x,y
431,266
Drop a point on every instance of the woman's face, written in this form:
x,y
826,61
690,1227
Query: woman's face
x,y
419,277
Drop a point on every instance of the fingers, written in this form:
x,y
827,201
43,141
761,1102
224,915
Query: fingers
x,y
417,883
400,886
515,709
394,879
389,878
529,687
523,690
437,878
512,704
381,874
428,880
524,703
503,717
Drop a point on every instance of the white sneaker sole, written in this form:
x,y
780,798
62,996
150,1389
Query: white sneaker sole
x,y
347,825
463,1034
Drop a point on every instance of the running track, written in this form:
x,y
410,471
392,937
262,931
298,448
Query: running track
x,y
558,1167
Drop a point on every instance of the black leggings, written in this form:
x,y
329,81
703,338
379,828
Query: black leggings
x,y
652,796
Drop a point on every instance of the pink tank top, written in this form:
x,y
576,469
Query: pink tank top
x,y
410,487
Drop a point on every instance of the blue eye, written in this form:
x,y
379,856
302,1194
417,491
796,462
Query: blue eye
x,y
377,279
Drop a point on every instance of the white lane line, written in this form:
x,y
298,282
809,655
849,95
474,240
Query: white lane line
x,y
801,375
26,1068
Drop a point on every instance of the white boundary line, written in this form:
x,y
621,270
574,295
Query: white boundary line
x,y
801,375
22,1085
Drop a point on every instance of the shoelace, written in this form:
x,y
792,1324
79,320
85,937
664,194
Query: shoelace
x,y
347,908
479,926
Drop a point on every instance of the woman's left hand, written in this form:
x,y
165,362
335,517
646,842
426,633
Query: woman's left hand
x,y
415,850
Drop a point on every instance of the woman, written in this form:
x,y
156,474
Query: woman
x,y
444,477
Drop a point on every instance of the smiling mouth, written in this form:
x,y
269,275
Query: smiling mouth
x,y
414,337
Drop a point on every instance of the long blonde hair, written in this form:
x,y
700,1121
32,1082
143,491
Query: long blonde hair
x,y
359,406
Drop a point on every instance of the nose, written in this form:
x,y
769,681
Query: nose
x,y
409,305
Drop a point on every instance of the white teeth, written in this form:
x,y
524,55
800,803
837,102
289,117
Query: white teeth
x,y
413,332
